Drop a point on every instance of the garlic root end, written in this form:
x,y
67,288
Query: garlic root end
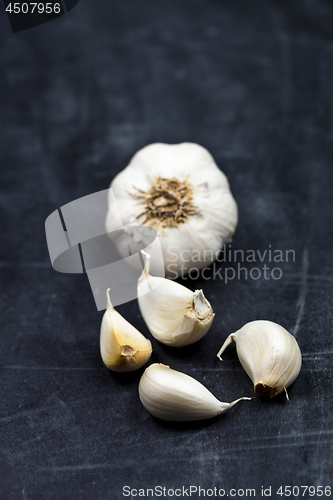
x,y
127,351
201,304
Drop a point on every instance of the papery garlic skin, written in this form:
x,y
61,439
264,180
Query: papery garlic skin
x,y
175,315
123,347
269,354
179,191
174,396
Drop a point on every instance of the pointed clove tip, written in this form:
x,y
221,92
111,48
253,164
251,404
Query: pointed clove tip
x,y
287,396
244,398
146,255
233,403
108,300
146,264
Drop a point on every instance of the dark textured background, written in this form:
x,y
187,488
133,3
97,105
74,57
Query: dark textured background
x,y
250,81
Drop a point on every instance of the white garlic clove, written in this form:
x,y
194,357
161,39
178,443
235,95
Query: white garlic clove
x,y
178,190
123,347
269,354
171,395
175,315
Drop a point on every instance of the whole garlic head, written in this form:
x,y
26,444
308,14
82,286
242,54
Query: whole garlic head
x,y
179,191
269,354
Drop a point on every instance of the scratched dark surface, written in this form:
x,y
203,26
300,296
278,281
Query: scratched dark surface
x,y
250,81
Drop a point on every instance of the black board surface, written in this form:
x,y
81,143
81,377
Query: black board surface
x,y
251,82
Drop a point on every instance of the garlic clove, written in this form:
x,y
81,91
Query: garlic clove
x,y
269,354
123,347
174,314
174,396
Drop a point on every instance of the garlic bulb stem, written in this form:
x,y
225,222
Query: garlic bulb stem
x,y
269,354
174,396
123,347
174,314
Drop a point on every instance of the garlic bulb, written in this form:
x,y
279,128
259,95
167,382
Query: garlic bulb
x,y
269,354
174,314
123,347
174,396
179,191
